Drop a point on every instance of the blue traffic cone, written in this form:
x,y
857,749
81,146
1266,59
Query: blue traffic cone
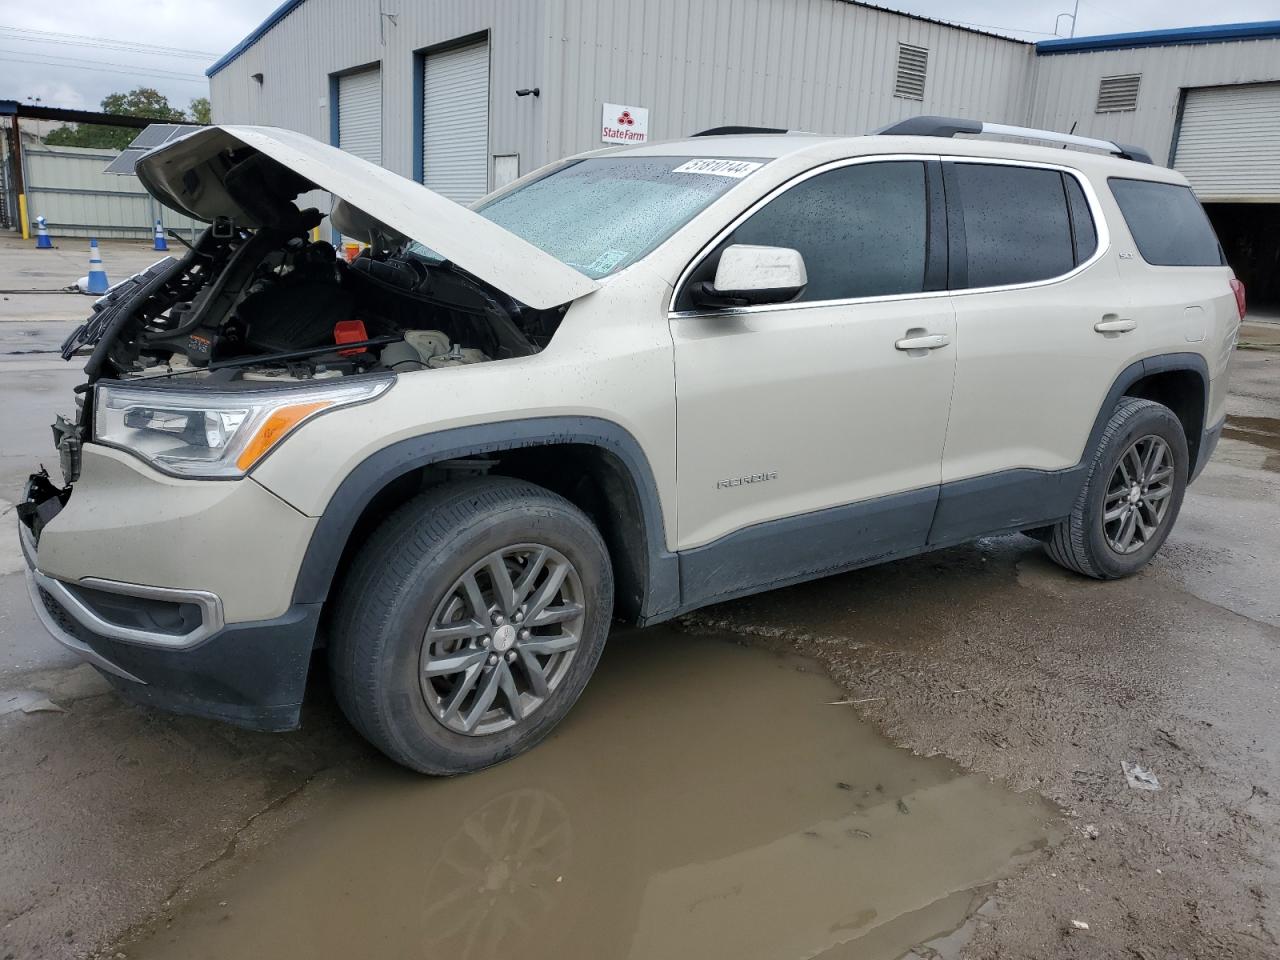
x,y
160,242
97,275
42,235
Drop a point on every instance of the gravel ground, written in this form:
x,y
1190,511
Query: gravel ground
x,y
991,656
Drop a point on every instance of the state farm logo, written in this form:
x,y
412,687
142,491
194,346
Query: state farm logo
x,y
624,123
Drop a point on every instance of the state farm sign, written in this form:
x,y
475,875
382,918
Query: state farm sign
x,y
620,123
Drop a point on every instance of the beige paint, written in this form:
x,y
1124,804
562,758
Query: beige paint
x,y
132,524
815,392
611,358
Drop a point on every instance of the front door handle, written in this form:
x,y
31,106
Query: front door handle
x,y
927,341
1113,324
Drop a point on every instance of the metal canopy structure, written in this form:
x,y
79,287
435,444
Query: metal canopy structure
x,y
35,111
13,199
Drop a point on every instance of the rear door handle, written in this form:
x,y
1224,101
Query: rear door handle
x,y
929,341
1114,324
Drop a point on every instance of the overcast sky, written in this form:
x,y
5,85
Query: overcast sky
x,y
72,53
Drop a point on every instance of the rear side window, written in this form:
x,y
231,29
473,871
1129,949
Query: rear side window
x,y
861,229
1017,227
1168,224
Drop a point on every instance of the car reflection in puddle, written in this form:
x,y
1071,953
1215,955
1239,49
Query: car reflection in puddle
x,y
703,799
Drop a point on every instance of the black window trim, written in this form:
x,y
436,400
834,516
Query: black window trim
x,y
935,251
944,224
957,274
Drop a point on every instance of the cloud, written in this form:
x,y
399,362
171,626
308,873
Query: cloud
x,y
67,74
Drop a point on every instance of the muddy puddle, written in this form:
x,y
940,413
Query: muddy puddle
x,y
1261,432
704,799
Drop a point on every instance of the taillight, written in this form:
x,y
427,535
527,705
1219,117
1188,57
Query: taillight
x,y
1238,289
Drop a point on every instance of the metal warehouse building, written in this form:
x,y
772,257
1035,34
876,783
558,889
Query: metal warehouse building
x,y
465,95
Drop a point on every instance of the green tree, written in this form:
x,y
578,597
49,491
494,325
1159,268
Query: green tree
x,y
139,102
200,111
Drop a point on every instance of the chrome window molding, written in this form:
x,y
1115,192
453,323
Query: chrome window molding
x,y
1091,198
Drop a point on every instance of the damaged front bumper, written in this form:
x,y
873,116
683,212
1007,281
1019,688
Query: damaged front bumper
x,y
169,648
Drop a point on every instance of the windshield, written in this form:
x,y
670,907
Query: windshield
x,y
603,214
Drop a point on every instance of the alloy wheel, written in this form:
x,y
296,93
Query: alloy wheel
x,y
502,639
1138,495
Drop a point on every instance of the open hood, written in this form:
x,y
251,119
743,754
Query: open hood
x,y
188,175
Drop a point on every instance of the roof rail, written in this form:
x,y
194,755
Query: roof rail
x,y
722,131
950,126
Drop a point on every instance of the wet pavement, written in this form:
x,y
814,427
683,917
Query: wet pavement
x,y
693,801
750,815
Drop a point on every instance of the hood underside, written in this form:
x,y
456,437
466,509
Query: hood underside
x,y
370,203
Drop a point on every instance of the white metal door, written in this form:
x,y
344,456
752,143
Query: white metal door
x,y
455,122
360,114
1229,142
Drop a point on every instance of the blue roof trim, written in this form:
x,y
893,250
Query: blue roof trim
x,y
278,14
1261,30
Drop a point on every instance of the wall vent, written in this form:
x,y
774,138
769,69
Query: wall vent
x,y
913,65
1116,94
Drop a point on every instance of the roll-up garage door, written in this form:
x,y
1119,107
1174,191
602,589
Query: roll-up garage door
x,y
1229,143
455,122
360,114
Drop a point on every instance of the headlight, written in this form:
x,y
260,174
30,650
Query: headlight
x,y
213,433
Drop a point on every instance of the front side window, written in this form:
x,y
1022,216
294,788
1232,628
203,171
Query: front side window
x,y
861,229
1168,224
1017,228
603,214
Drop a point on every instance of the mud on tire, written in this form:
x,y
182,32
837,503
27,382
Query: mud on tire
x,y
411,569
1080,543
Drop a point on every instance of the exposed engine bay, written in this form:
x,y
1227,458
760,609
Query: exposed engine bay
x,y
271,304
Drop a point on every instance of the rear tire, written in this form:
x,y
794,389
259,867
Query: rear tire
x,y
469,623
1131,497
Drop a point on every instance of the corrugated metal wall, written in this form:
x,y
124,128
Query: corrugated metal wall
x,y
822,65
1066,87
67,186
323,37
819,65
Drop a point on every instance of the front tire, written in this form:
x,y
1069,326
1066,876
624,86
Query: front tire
x,y
469,624
1131,497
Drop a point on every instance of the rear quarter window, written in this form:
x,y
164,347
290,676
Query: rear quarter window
x,y
1168,224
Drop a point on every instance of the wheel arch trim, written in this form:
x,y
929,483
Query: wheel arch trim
x,y
1139,370
358,489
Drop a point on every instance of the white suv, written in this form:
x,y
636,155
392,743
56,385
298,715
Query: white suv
x,y
630,384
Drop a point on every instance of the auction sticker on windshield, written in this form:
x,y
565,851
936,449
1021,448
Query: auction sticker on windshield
x,y
720,168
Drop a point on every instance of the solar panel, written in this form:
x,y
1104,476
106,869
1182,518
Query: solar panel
x,y
154,135
125,163
151,137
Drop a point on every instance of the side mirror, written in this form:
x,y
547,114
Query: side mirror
x,y
748,275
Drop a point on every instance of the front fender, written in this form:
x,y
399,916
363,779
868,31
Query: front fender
x,y
372,475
